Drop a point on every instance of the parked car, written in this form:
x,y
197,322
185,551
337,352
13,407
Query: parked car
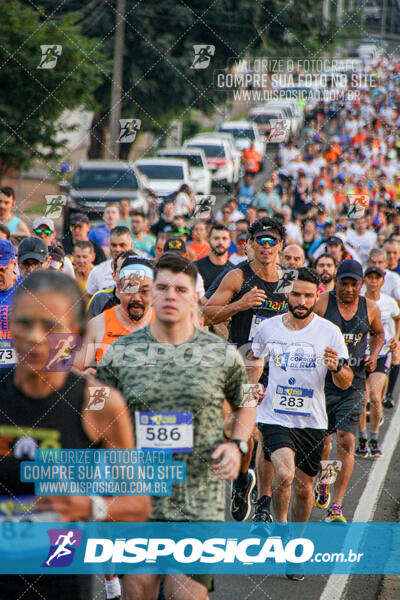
x,y
165,175
220,159
294,111
263,116
199,172
244,132
96,182
237,156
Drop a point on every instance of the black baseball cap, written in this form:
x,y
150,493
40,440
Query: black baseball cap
x,y
350,268
241,237
32,247
335,239
268,231
79,218
175,245
376,270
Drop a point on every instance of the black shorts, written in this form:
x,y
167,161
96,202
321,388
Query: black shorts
x,y
344,410
307,444
382,365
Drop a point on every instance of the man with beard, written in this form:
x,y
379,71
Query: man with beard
x,y
217,259
357,317
134,286
326,267
301,348
247,295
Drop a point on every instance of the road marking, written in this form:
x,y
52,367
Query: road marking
x,y
364,512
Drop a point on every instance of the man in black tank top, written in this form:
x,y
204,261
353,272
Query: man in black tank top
x,y
356,317
40,408
247,295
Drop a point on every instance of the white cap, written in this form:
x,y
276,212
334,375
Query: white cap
x,y
43,221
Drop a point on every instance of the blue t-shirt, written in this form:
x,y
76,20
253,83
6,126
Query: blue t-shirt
x,y
246,196
100,234
8,356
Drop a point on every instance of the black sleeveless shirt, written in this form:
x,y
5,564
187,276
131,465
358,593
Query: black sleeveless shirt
x,y
27,424
241,331
355,333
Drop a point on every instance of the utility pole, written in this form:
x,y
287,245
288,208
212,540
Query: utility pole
x,y
325,13
116,84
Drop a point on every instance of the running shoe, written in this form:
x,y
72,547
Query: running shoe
x,y
298,577
261,513
322,494
362,450
241,498
373,447
388,402
335,514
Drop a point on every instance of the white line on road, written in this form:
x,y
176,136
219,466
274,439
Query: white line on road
x,y
364,512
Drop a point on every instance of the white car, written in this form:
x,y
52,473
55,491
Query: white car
x,y
220,159
199,173
96,182
262,116
165,175
237,156
244,132
295,113
367,50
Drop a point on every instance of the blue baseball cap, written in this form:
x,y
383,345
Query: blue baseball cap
x,y
350,268
7,253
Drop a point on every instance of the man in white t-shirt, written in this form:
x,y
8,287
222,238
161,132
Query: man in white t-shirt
x,y
377,380
361,239
300,347
101,275
391,286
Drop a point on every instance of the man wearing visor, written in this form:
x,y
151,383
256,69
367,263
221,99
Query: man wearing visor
x,y
134,286
247,295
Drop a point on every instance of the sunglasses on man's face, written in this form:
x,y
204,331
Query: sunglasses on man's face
x,y
264,241
41,231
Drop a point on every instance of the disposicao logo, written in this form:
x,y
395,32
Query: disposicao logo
x,y
62,547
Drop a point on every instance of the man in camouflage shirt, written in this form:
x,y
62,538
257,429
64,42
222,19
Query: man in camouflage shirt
x,y
173,367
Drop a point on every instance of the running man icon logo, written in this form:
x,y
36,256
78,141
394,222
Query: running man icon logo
x,y
203,54
285,284
131,283
97,397
50,55
54,205
329,471
129,129
253,393
61,552
358,203
278,131
62,349
202,206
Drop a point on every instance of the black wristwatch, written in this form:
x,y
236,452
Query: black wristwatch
x,y
339,367
242,445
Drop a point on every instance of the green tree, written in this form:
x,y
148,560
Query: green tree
x,y
32,99
159,84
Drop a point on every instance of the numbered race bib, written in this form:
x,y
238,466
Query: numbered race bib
x,y
293,400
256,320
8,356
164,431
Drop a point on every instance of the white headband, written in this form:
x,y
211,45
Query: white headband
x,y
138,270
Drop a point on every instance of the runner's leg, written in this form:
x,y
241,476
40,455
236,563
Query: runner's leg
x,y
303,500
345,454
140,587
284,467
183,587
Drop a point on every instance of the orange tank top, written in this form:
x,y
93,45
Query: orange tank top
x,y
113,329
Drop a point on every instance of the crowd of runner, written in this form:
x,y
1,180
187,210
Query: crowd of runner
x,y
262,330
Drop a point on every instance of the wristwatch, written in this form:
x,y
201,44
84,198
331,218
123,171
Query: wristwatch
x,y
99,508
242,445
339,367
